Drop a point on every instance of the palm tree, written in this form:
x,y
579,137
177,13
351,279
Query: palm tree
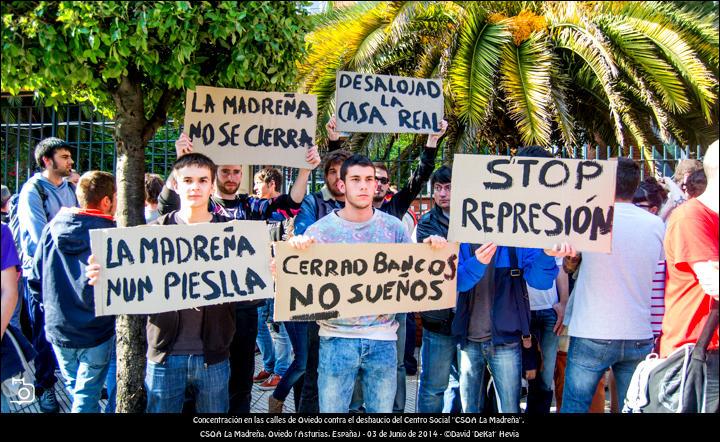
x,y
548,73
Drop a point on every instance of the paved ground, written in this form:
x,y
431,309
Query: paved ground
x,y
259,400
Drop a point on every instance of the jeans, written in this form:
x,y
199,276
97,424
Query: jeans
x,y
540,389
264,341
309,397
399,402
15,319
242,359
84,370
588,359
411,363
505,364
166,383
296,371
342,360
111,380
438,355
283,348
45,362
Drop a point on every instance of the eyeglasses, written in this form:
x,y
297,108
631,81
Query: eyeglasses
x,y
382,180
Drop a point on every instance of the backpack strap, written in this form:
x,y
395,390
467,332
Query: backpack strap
x,y
515,270
700,350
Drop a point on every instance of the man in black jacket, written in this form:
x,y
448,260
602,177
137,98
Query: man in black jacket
x,y
439,347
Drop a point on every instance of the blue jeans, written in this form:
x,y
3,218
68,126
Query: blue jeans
x,y
296,371
540,389
399,402
84,370
283,348
166,382
264,340
587,361
342,360
111,380
505,364
438,355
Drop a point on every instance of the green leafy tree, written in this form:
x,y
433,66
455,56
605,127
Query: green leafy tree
x,y
518,73
134,61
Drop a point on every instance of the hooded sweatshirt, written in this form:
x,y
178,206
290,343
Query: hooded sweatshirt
x,y
58,280
33,214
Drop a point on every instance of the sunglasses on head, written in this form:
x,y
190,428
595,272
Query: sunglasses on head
x,y
382,180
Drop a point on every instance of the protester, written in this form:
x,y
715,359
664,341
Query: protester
x,y
41,198
361,347
439,386
82,342
153,186
614,330
4,206
691,285
11,363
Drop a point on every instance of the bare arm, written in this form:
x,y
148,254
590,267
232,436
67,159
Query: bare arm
x,y
707,275
297,192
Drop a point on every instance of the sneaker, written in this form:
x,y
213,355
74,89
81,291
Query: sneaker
x,y
270,383
262,376
48,402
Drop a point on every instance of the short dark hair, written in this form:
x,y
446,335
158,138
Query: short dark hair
x,y
355,160
270,174
533,151
153,186
443,175
380,165
628,178
93,187
335,157
696,183
198,160
47,148
651,192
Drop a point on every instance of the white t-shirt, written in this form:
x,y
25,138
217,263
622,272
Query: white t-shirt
x,y
613,292
544,299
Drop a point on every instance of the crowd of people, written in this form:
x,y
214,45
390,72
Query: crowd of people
x,y
559,322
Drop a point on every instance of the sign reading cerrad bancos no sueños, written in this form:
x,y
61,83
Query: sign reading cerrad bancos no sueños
x,y
533,202
154,269
328,281
234,126
387,104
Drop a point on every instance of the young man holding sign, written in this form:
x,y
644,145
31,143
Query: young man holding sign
x,y
191,347
227,202
362,346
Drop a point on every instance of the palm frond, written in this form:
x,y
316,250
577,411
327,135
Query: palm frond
x,y
525,79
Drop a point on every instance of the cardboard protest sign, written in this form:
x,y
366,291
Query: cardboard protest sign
x,y
154,269
234,126
532,202
329,281
387,104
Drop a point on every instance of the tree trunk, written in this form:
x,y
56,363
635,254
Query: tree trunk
x,y
130,329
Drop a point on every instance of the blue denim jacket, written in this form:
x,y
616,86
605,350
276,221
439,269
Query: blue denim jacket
x,y
539,270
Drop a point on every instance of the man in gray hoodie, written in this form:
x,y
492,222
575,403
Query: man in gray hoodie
x,y
41,198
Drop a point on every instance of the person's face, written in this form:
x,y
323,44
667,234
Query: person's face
x,y
359,186
441,195
194,186
228,178
332,178
263,189
383,184
61,163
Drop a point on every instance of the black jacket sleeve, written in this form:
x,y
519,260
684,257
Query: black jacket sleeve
x,y
334,145
401,201
168,200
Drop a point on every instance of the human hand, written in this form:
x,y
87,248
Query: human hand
x,y
485,252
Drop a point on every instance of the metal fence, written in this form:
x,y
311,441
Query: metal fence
x,y
24,123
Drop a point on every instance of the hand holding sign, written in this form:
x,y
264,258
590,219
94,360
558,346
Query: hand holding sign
x,y
485,252
301,242
332,134
434,138
183,145
561,250
92,271
313,157
436,242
